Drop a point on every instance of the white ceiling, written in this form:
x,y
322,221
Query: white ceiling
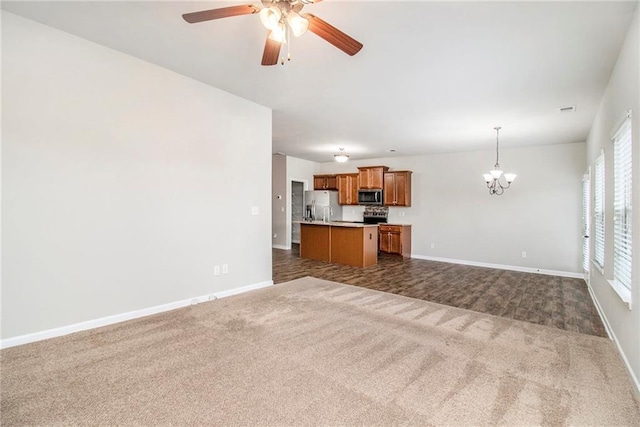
x,y
432,76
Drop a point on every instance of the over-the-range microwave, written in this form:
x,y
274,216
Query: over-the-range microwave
x,y
370,197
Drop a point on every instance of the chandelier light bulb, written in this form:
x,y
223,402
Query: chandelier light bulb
x,y
487,177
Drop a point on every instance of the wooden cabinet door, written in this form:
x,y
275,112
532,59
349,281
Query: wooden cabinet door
x,y
397,188
389,190
325,182
384,241
343,189
331,182
395,239
372,177
347,188
395,243
318,182
364,178
402,197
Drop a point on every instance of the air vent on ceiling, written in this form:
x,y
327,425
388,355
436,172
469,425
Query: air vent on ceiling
x,y
569,109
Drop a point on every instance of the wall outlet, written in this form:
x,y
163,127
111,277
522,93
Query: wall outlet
x,y
275,235
255,210
524,254
433,246
282,209
216,270
225,268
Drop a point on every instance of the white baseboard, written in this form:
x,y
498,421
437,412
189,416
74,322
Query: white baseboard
x,y
503,267
117,318
612,336
283,247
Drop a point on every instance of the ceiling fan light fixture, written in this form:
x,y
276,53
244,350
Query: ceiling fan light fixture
x,y
297,23
270,17
279,33
341,157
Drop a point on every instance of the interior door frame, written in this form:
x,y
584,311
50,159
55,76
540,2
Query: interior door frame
x,y
288,222
586,224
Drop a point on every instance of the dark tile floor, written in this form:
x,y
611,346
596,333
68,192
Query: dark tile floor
x,y
554,301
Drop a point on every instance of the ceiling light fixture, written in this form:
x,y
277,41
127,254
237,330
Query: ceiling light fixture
x,y
282,19
341,157
493,178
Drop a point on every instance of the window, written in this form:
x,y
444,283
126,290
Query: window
x,y
586,196
598,213
622,209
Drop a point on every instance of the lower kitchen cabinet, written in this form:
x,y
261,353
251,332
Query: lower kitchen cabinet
x,y
395,239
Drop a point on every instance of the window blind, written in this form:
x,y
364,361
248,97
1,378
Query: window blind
x,y
586,195
598,211
622,204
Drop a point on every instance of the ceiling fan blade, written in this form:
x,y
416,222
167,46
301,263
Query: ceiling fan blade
x,y
225,12
271,51
345,43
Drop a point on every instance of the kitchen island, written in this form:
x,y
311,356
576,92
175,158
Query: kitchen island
x,y
344,243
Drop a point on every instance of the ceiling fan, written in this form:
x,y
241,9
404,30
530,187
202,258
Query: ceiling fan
x,y
281,18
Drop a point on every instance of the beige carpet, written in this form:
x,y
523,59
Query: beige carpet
x,y
313,352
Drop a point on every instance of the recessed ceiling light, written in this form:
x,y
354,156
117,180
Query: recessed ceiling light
x,y
568,109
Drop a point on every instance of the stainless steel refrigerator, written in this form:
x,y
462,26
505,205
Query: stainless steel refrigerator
x,y
322,205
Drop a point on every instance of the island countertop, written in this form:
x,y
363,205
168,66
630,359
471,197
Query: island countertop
x,y
344,243
337,224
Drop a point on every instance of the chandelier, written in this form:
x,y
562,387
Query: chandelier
x,y
341,157
493,177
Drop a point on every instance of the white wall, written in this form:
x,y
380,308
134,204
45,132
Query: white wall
x,y
123,183
622,94
279,201
453,210
285,170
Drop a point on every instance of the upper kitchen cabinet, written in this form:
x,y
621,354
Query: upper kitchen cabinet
x,y
372,177
397,188
348,188
325,182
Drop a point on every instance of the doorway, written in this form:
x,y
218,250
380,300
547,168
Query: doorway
x,y
297,209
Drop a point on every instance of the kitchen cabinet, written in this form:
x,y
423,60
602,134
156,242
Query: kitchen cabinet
x,y
325,182
395,239
348,188
397,188
372,177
